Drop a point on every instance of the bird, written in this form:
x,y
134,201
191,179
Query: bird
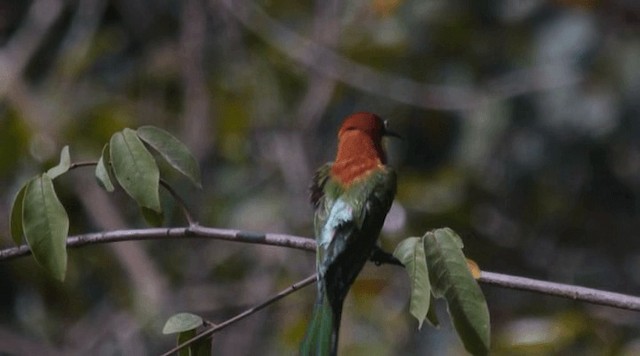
x,y
351,197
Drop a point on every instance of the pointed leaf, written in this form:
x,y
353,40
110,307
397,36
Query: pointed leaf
x,y
411,253
135,169
152,218
17,233
173,151
46,225
450,278
452,235
102,170
181,322
63,166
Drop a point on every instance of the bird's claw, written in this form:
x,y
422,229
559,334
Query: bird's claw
x,y
380,257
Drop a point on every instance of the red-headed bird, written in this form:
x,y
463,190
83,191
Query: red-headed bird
x,y
352,196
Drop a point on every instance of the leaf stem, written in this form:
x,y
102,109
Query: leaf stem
x,y
183,206
81,164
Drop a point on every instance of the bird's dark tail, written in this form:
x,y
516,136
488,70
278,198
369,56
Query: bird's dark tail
x,y
321,338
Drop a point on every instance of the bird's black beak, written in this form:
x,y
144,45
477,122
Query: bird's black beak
x,y
388,132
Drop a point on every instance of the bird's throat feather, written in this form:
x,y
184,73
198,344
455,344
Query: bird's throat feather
x,y
358,155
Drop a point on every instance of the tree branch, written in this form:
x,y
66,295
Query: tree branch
x,y
217,327
583,294
174,233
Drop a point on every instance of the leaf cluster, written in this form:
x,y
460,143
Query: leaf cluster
x,y
437,268
39,218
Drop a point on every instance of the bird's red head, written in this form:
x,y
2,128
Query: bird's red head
x,y
365,123
360,146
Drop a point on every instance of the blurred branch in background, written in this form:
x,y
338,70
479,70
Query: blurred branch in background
x,y
322,59
197,118
320,88
15,57
147,284
17,53
331,64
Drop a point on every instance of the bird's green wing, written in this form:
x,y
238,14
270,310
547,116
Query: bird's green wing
x,y
347,224
317,184
348,220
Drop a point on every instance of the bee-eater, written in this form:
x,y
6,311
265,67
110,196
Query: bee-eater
x,y
351,196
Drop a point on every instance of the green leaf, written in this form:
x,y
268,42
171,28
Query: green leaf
x,y
184,337
450,278
63,166
46,225
102,170
17,232
152,218
452,234
202,347
135,169
181,322
432,317
411,253
173,151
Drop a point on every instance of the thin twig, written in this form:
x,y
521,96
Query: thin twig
x,y
208,332
75,165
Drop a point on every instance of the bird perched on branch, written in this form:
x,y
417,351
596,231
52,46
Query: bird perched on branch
x,y
352,196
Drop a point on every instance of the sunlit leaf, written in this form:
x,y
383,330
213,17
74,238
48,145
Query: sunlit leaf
x,y
46,225
181,322
102,170
63,166
135,169
450,278
411,253
173,151
17,232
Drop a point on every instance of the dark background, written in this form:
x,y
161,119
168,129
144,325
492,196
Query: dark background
x,y
521,132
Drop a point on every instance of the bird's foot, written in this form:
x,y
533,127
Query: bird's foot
x,y
379,257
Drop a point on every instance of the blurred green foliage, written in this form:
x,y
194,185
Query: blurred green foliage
x,y
521,133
